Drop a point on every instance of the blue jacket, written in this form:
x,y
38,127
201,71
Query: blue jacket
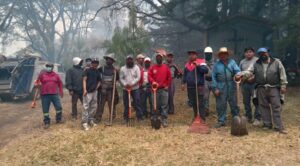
x,y
223,76
189,76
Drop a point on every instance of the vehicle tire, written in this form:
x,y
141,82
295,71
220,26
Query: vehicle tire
x,y
6,98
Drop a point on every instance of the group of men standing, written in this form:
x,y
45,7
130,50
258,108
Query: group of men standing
x,y
95,86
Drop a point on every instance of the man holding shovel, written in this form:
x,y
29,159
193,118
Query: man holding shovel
x,y
130,76
193,80
107,90
223,85
160,76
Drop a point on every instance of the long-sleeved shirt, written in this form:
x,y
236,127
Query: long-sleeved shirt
x,y
130,76
222,74
51,83
189,73
160,74
246,65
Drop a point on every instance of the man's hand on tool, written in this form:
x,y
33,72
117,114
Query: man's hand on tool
x,y
217,92
283,90
183,87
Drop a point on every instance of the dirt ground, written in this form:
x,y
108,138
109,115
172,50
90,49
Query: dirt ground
x,y
25,142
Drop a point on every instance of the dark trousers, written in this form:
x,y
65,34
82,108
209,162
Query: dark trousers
x,y
46,101
193,99
270,106
135,97
146,97
74,100
171,91
248,90
105,96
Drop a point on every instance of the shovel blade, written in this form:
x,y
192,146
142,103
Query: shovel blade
x,y
239,126
156,123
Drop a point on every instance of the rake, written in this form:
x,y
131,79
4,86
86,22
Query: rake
x,y
130,121
198,126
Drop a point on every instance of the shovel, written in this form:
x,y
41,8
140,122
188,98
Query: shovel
x,y
239,123
155,121
130,121
33,103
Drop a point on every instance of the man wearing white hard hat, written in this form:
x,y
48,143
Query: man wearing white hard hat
x,y
74,84
224,72
209,60
146,95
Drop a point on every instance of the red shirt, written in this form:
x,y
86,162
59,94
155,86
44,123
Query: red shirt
x,y
50,83
160,74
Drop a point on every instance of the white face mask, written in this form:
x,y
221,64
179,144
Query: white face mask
x,y
49,69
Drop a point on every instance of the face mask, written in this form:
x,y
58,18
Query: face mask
x,y
159,60
264,58
208,56
147,65
109,63
49,69
129,64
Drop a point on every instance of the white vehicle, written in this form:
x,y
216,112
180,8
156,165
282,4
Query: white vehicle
x,y
17,77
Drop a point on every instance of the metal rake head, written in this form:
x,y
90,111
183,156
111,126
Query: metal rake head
x,y
130,122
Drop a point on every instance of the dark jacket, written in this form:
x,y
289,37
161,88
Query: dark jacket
x,y
275,75
74,79
189,76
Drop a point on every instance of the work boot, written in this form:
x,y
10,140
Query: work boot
x,y
256,122
92,123
266,127
165,123
280,131
219,125
46,126
85,126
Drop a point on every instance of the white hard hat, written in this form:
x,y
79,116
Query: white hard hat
x,y
76,61
208,50
147,59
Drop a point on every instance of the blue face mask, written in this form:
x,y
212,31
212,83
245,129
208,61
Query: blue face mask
x,y
49,69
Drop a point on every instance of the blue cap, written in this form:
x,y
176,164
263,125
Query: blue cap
x,y
262,49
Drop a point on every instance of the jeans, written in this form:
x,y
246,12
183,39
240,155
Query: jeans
x,y
247,90
46,101
171,92
135,97
227,95
74,100
161,103
207,90
193,98
146,97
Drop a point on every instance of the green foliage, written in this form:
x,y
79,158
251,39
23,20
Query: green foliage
x,y
125,42
292,26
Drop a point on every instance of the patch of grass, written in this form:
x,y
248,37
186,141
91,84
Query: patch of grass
x,y
67,144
